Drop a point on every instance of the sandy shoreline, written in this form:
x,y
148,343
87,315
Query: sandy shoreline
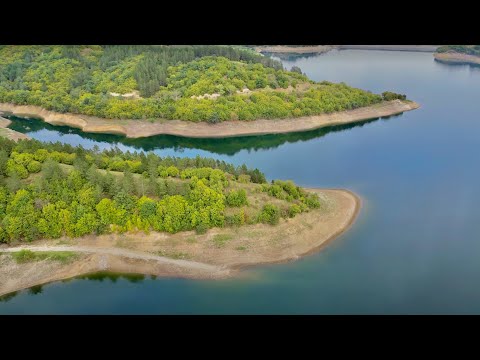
x,y
320,49
139,253
457,58
142,128
417,48
9,133
285,49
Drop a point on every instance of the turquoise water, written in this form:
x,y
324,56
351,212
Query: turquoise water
x,y
415,247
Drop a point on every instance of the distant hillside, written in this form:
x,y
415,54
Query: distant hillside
x,y
458,54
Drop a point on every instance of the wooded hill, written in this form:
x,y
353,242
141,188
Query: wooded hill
x,y
54,190
197,83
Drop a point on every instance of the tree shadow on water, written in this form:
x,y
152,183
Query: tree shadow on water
x,y
113,277
222,146
7,297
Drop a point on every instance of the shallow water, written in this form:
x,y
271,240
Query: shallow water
x,y
414,249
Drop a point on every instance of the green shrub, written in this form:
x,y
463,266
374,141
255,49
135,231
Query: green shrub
x,y
270,214
237,198
3,236
221,239
13,168
388,95
34,167
312,201
293,210
244,179
201,229
274,190
236,219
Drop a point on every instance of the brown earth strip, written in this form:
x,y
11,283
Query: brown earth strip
x,y
187,254
9,133
457,58
142,128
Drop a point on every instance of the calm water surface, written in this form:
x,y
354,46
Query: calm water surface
x,y
414,249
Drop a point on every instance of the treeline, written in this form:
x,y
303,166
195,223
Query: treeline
x,y
152,71
388,96
172,81
42,198
149,68
464,49
116,160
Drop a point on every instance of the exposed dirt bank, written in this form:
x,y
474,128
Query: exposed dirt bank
x,y
421,48
285,49
9,133
141,128
186,254
319,49
457,58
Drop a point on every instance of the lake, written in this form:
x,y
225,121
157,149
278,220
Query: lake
x,y
415,247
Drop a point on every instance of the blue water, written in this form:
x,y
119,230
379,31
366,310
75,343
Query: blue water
x,y
415,247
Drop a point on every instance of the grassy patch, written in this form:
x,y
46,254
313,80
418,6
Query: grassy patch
x,y
191,240
252,234
177,255
125,242
63,242
24,256
241,248
221,239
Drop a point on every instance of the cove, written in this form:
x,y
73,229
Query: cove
x,y
414,248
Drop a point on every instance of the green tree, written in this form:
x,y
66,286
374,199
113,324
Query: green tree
x,y
50,224
236,198
3,162
270,214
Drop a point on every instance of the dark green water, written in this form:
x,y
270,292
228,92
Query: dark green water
x,y
416,245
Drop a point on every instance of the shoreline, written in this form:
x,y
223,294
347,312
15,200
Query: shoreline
x,y
141,128
301,50
414,48
9,133
455,58
321,49
317,228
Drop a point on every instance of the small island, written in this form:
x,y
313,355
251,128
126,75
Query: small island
x,y
458,54
67,211
192,91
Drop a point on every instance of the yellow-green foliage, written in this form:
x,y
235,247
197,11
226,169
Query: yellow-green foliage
x,y
270,214
219,75
152,193
80,79
237,198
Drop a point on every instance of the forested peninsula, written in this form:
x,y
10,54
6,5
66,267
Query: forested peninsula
x,y
458,54
169,89
191,217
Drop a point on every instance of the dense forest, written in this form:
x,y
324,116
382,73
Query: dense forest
x,y
50,190
197,83
463,49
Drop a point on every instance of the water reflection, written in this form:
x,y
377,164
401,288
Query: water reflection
x,y
113,277
35,290
222,146
291,56
8,297
474,67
